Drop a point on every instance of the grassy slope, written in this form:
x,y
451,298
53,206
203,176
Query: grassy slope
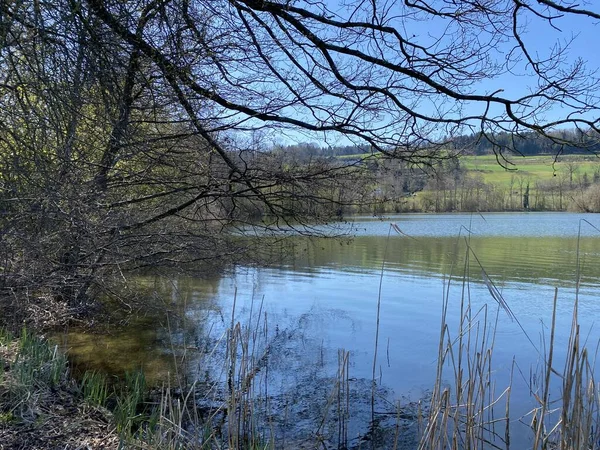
x,y
533,168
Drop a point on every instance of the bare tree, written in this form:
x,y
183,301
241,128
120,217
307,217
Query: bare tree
x,y
132,133
400,75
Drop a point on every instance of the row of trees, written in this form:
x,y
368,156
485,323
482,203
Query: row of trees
x,y
132,133
565,141
448,186
560,142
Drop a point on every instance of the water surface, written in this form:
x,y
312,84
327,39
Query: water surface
x,y
324,296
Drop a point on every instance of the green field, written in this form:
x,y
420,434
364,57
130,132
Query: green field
x,y
533,168
501,172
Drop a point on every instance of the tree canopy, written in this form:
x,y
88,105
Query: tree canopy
x,y
398,75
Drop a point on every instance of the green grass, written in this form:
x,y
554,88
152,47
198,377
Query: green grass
x,y
94,388
357,156
131,396
530,168
527,168
5,336
37,379
38,362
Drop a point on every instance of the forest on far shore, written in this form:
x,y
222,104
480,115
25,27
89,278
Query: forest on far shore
x,y
479,173
506,145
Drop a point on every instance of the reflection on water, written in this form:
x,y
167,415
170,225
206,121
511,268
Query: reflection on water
x,y
529,248
121,351
484,224
323,297
155,338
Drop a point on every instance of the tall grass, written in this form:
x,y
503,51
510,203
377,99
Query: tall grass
x,y
38,362
94,388
241,415
31,366
129,399
462,414
467,413
5,336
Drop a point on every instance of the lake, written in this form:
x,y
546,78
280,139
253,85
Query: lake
x,y
323,296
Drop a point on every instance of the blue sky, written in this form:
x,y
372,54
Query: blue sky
x,y
539,35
